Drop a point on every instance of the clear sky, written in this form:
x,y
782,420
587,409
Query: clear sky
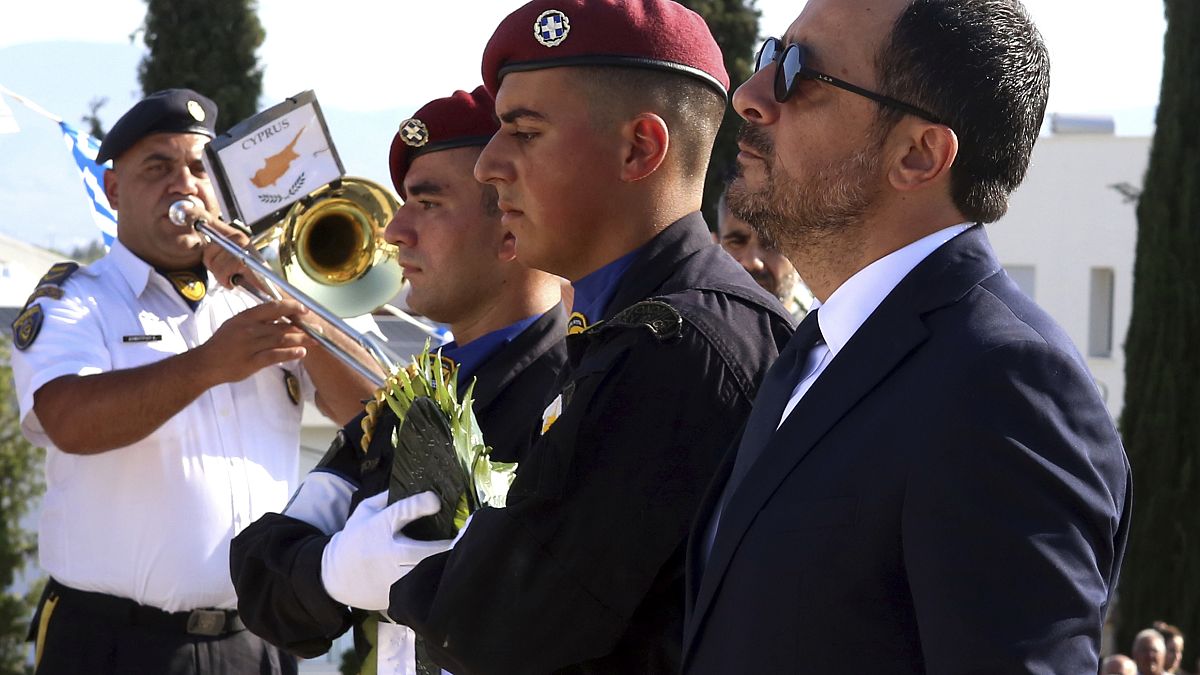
x,y
372,62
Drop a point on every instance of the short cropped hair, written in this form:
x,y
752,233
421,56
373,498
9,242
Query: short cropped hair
x,y
981,67
692,109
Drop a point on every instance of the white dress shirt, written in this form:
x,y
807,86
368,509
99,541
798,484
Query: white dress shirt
x,y
152,521
854,301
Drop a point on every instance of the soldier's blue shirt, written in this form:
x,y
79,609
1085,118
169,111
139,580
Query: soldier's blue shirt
x,y
596,290
473,354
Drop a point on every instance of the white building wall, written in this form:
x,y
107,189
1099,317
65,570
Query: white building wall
x,y
21,266
1066,219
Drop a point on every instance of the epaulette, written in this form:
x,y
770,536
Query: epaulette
x,y
662,320
28,324
50,285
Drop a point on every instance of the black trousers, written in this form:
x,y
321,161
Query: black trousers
x,y
81,633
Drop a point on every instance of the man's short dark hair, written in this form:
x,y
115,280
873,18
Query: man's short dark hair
x,y
692,109
980,66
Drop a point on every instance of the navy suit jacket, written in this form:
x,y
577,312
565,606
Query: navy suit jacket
x,y
951,496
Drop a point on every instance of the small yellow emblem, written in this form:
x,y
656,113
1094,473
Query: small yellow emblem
x,y
576,324
190,286
448,366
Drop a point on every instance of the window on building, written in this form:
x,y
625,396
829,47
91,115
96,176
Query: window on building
x,y
1025,276
1100,312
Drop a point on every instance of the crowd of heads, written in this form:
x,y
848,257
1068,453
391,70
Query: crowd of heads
x,y
1157,650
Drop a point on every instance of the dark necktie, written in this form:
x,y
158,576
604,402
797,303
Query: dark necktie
x,y
773,396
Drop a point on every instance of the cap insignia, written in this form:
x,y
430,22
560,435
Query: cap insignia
x,y
196,111
551,28
414,132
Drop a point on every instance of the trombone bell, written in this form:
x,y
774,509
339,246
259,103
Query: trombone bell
x,y
330,246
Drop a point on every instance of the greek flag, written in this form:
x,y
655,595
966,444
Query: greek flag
x,y
84,148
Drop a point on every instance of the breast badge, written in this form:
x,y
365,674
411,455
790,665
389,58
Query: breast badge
x,y
292,383
190,286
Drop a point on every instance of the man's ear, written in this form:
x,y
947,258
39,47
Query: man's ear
x,y
110,188
646,140
926,157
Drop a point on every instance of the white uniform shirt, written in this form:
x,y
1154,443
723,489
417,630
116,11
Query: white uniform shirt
x,y
856,299
152,521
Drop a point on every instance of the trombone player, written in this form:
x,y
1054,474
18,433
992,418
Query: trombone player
x,y
170,408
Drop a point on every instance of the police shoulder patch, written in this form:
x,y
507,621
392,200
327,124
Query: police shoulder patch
x,y
26,326
662,320
58,273
52,292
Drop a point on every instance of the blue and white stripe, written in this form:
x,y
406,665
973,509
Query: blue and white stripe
x,y
84,148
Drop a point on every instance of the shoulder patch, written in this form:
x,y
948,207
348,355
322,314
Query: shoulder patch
x,y
49,286
662,320
52,292
58,273
26,326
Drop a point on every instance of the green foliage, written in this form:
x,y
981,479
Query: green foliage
x,y
21,466
734,24
1160,424
208,46
90,253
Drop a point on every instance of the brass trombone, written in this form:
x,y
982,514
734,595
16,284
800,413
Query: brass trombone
x,y
328,245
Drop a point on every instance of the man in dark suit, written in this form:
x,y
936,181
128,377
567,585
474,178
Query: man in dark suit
x,y
928,461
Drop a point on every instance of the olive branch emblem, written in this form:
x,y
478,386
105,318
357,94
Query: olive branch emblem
x,y
292,191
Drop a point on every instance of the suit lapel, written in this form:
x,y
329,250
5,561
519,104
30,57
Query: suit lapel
x,y
893,331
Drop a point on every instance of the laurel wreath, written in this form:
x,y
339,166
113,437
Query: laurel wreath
x,y
292,191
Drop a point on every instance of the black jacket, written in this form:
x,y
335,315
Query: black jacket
x,y
276,561
583,570
950,496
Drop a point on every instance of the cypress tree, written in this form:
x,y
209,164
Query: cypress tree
x,y
1161,419
208,46
734,24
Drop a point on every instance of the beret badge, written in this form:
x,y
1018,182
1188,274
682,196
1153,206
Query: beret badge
x,y
414,132
551,28
196,111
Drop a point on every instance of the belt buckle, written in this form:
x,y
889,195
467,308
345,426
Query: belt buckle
x,y
207,622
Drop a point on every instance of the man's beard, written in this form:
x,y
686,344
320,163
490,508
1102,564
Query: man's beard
x,y
786,213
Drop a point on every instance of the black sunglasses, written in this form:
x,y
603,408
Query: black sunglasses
x,y
791,68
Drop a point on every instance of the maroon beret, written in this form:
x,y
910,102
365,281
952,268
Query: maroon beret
x,y
657,34
457,121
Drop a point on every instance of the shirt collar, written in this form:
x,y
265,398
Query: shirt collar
x,y
136,271
475,353
595,291
852,303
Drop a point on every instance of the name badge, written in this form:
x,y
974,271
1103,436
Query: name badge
x,y
141,338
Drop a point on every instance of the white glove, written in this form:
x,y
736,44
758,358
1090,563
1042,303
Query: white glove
x,y
361,562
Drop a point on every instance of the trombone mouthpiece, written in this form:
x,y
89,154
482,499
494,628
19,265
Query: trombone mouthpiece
x,y
180,212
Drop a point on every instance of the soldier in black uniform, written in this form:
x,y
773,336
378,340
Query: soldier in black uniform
x,y
508,330
608,112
